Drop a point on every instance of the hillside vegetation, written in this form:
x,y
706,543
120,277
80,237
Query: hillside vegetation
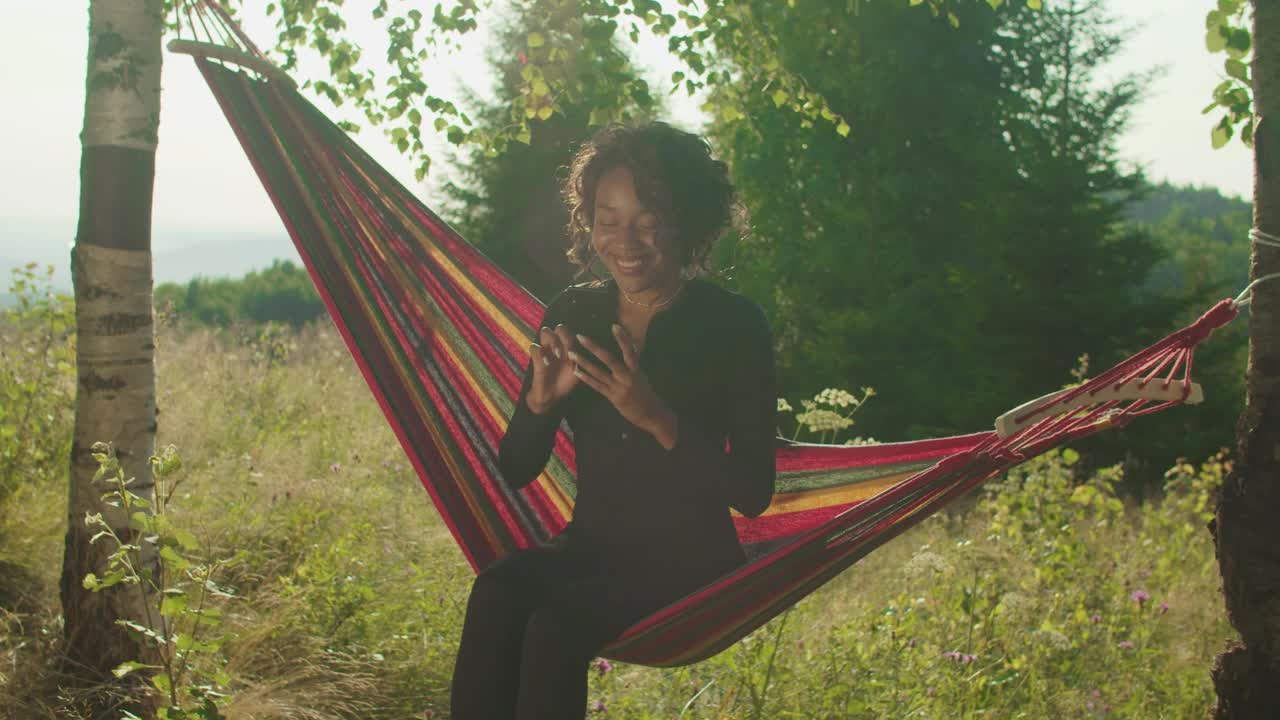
x,y
340,591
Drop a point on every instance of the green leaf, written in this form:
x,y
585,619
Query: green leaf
x,y
535,40
173,605
1070,457
125,668
1239,41
186,539
599,31
1237,69
843,129
1034,4
780,97
162,683
1083,494
172,558
1221,135
544,112
1214,40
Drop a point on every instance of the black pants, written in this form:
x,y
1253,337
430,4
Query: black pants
x,y
536,619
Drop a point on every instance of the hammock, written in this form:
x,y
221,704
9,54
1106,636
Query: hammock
x,y
441,336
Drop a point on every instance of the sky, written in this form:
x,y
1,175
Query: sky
x,y
207,193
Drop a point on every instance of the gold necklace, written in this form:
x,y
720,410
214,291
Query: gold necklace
x,y
653,306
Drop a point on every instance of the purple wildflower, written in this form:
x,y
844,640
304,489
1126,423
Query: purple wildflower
x,y
1095,618
1141,597
602,666
335,467
1126,644
1163,607
599,707
959,657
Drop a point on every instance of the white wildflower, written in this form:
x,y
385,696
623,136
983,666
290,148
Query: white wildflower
x,y
1016,605
783,405
835,397
819,420
1052,639
926,561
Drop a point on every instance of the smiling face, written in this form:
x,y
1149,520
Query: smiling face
x,y
631,240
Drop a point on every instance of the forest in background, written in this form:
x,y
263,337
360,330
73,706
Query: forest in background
x,y
976,241
1201,237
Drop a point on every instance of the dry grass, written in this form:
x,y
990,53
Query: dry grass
x,y
349,592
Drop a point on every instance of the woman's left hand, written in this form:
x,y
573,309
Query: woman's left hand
x,y
625,385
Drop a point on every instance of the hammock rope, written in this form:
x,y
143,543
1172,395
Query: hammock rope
x,y
441,336
1261,238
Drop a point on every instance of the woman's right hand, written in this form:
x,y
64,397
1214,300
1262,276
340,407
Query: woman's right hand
x,y
553,376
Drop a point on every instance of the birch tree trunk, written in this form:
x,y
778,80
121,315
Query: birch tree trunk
x,y
111,273
1247,527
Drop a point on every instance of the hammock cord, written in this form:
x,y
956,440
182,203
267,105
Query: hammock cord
x,y
1261,238
439,334
224,21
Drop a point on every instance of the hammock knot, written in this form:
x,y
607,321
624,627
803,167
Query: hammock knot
x,y
1217,316
1007,454
955,462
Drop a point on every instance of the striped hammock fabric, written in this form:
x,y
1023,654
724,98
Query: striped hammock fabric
x,y
442,337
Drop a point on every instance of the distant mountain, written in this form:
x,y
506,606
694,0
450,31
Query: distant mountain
x,y
1163,201
1205,235
1179,217
179,256
227,256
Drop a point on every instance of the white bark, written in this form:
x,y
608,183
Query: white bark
x,y
122,85
111,272
115,357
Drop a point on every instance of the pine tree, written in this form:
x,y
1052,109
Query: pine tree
x,y
963,246
508,204
862,247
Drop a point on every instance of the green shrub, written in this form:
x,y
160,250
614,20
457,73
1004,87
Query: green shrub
x,y
1043,595
37,381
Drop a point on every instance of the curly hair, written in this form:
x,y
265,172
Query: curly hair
x,y
676,178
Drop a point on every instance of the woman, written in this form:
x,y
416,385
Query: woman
x,y
667,383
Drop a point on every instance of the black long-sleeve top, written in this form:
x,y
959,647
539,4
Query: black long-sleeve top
x,y
709,356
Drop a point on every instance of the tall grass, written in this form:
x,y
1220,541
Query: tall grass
x,y
1048,596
